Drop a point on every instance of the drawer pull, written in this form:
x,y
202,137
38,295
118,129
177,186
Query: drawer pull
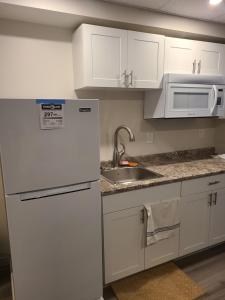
x,y
210,200
214,182
215,199
143,216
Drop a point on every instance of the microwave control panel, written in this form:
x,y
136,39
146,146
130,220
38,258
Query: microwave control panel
x,y
220,97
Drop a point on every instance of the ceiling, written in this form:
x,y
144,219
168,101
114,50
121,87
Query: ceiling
x,y
199,9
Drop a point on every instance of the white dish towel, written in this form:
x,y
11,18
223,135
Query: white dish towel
x,y
162,220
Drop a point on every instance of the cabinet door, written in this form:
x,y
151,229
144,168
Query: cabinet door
x,y
180,56
123,243
145,59
162,251
210,58
217,220
105,51
194,230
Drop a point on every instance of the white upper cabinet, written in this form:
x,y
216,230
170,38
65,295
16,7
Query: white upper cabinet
x,y
193,57
179,56
116,58
99,56
109,57
145,59
211,58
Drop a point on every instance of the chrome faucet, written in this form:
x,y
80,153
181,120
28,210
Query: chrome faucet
x,y
117,155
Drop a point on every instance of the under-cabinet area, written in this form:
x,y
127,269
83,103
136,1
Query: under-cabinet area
x,y
202,224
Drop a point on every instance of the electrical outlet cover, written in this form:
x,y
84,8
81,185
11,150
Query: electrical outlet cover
x,y
150,137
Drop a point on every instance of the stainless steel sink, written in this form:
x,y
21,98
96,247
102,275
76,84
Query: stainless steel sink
x,y
128,174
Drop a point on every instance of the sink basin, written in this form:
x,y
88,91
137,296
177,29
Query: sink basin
x,y
128,174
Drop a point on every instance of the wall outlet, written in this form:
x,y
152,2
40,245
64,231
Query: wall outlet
x,y
150,137
201,133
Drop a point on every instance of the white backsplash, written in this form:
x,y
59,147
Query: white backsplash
x,y
126,107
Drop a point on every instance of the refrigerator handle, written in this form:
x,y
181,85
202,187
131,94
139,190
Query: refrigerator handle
x,y
54,191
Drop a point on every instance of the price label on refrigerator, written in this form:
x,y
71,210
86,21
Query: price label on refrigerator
x,y
51,113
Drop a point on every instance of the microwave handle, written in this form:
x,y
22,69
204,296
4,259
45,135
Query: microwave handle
x,y
215,99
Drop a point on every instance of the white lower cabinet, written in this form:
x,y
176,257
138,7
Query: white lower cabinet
x,y
194,230
125,250
217,218
123,243
202,211
162,251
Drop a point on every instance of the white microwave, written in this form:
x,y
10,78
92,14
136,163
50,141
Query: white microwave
x,y
187,96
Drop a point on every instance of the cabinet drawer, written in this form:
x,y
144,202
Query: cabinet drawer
x,y
117,202
204,184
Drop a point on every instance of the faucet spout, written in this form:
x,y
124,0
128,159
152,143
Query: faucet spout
x,y
116,153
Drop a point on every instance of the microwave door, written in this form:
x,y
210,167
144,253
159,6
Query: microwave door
x,y
189,100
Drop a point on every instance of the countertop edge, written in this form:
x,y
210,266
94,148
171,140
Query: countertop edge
x,y
157,183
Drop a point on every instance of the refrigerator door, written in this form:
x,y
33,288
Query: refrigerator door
x,y
56,245
34,158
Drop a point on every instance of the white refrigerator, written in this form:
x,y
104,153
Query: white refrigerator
x,y
50,165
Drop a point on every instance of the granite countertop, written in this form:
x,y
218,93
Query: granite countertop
x,y
174,166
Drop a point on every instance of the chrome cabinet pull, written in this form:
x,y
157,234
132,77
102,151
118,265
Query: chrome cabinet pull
x,y
214,182
215,199
210,200
143,216
194,66
126,78
199,66
131,78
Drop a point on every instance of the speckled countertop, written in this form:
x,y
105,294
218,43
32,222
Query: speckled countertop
x,y
174,166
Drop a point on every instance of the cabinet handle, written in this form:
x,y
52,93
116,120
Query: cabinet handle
x,y
215,199
126,77
131,78
214,182
210,200
194,66
199,66
143,216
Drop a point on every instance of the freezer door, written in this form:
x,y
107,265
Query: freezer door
x,y
56,246
34,158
